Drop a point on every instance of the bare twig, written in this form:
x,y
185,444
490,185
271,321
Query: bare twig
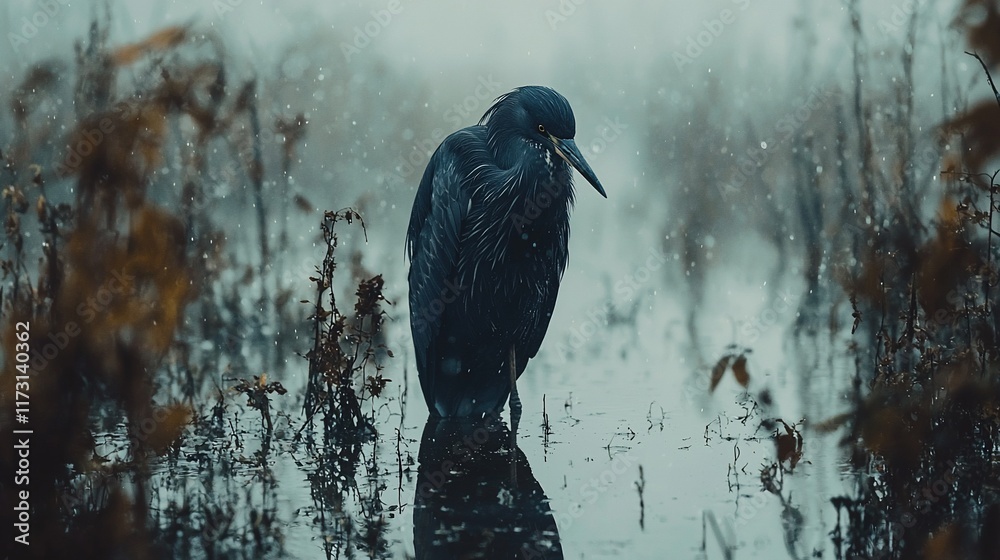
x,y
989,78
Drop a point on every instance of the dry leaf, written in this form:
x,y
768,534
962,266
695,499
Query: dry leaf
x,y
719,370
832,424
740,371
161,40
303,204
789,445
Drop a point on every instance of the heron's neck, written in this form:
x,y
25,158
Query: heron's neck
x,y
543,173
508,149
552,188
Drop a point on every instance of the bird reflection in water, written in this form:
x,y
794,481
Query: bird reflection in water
x,y
476,496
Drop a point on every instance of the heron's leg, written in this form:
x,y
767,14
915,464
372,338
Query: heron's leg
x,y
515,401
515,416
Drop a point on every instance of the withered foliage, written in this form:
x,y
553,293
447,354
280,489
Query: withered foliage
x,y
111,254
923,432
113,283
788,440
257,393
734,361
346,346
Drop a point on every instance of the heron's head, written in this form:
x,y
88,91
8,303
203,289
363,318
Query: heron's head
x,y
541,117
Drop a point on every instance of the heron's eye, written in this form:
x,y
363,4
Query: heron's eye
x,y
541,128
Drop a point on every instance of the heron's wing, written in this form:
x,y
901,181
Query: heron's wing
x,y
542,314
440,208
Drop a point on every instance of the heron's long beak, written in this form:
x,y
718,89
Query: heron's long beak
x,y
566,148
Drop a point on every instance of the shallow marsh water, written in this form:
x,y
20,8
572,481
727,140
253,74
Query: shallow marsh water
x,y
622,451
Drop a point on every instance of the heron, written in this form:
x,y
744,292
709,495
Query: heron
x,y
488,244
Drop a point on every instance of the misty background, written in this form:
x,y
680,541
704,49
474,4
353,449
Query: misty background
x,y
667,97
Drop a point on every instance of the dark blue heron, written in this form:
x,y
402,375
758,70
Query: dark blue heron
x,y
488,244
